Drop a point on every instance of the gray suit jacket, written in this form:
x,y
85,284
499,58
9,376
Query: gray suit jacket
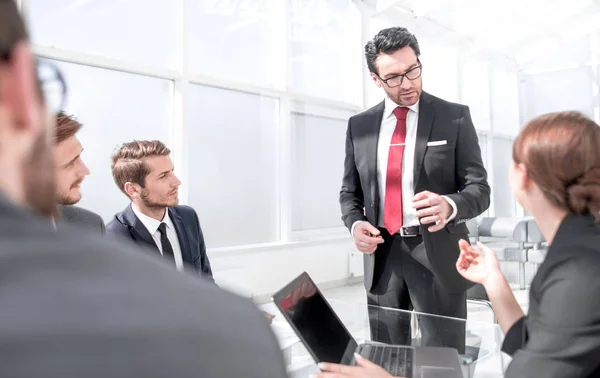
x,y
77,305
454,169
80,217
560,336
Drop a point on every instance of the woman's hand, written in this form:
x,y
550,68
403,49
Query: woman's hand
x,y
365,369
478,267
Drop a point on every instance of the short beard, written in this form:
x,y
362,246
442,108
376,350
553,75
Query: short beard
x,y
150,204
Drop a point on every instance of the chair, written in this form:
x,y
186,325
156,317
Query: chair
x,y
508,238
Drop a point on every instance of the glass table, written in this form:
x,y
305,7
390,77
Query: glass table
x,y
477,342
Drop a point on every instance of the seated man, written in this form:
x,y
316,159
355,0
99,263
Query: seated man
x,y
143,170
70,171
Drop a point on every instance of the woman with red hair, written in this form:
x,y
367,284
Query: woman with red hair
x,y
555,175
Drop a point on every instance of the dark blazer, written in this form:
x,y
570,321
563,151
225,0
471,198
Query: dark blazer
x,y
454,169
126,225
80,217
78,305
560,336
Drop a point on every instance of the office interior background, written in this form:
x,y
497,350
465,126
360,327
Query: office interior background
x,y
253,97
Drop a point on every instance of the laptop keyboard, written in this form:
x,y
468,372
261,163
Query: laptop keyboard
x,y
398,361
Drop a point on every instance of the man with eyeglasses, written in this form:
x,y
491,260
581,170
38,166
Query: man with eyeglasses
x,y
413,174
76,305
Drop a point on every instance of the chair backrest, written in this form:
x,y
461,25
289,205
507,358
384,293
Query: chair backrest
x,y
512,228
534,235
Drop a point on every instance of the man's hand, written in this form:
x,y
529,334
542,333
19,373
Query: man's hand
x,y
367,237
432,209
365,369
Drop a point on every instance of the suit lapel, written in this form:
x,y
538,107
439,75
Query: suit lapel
x,y
424,125
138,231
372,141
184,241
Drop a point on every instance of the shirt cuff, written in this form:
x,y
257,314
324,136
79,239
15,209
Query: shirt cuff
x,y
353,226
454,208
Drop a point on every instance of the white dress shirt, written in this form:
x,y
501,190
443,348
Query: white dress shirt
x,y
152,225
388,126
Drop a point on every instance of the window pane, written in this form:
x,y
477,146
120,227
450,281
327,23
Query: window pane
x,y
505,101
558,91
233,154
317,168
475,88
237,40
114,107
504,202
325,55
110,28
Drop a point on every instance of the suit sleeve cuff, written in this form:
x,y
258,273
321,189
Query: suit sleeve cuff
x,y
454,208
353,226
515,338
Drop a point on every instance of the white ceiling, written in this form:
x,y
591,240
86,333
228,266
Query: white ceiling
x,y
519,29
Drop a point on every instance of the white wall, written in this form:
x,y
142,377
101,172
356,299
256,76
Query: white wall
x,y
260,272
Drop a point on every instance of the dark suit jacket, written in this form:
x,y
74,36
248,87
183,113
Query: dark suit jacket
x,y
455,170
126,225
560,336
80,217
78,305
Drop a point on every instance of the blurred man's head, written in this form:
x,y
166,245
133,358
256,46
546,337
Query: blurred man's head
x,y
25,155
69,168
393,60
143,170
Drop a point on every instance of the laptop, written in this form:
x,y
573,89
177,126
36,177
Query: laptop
x,y
328,340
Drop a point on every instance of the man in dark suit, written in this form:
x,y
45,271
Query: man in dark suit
x,y
78,305
413,175
70,171
143,170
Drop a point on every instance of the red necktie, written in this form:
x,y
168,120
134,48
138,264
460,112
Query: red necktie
x,y
392,211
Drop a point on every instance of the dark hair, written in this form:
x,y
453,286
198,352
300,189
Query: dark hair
x,y
561,152
128,161
388,41
66,127
12,28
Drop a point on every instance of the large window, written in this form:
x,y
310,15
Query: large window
x,y
317,166
109,28
233,151
114,107
559,90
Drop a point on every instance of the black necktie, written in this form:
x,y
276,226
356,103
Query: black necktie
x,y
167,249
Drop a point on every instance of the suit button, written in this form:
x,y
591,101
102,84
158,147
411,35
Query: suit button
x,y
372,205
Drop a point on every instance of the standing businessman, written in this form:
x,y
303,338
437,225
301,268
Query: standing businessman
x,y
413,175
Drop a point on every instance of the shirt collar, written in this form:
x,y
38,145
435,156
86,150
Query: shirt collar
x,y
150,223
390,105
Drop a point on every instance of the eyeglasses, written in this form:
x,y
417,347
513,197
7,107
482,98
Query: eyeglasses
x,y
52,84
396,81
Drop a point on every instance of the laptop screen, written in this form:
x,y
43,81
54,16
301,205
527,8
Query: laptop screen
x,y
315,322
